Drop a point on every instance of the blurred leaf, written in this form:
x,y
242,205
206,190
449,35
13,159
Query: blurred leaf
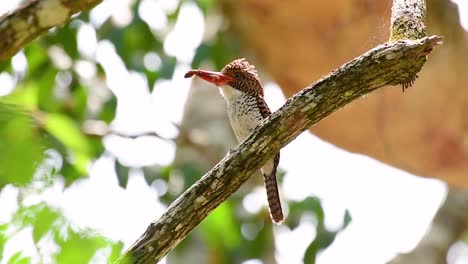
x,y
67,131
77,248
205,5
107,113
157,172
25,95
219,228
43,222
191,173
5,65
346,219
116,251
20,146
46,97
152,77
132,43
324,237
296,209
165,172
3,239
18,258
74,247
71,173
66,38
168,67
80,101
203,52
37,58
172,17
40,216
122,173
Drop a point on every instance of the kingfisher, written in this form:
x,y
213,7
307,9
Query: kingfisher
x,y
242,90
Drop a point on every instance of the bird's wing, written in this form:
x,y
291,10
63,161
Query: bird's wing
x,y
264,110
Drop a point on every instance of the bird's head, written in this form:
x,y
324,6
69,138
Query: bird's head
x,y
238,74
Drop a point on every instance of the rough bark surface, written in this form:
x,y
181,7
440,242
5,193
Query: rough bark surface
x,y
423,131
408,14
388,64
36,17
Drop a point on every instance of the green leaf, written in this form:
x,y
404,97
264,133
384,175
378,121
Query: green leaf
x,y
133,42
5,65
205,5
46,98
18,258
67,131
80,101
3,239
122,173
20,146
346,219
24,95
36,57
220,229
116,251
71,173
77,248
66,38
203,52
43,222
40,216
107,113
168,67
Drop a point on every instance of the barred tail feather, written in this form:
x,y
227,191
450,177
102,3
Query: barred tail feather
x,y
274,202
271,186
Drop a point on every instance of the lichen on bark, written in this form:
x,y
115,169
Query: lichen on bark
x,y
31,20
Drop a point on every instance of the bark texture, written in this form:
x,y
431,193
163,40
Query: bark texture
x,y
423,131
392,63
408,19
36,17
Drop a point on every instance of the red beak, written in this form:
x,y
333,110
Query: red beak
x,y
216,78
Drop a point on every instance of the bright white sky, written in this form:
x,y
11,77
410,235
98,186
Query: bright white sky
x,y
391,209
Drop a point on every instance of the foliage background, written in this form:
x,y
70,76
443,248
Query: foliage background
x,y
74,107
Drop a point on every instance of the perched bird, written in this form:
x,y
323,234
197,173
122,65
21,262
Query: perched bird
x,y
241,88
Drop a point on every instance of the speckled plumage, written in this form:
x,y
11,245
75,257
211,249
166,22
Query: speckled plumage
x,y
246,109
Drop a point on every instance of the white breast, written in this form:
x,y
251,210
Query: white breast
x,y
243,111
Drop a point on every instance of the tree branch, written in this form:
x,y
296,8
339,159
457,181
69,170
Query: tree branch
x,y
388,64
408,19
391,63
26,23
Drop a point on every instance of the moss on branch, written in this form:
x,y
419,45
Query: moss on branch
x,y
35,18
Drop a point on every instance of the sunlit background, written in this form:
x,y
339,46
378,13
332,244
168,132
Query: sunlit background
x,y
390,208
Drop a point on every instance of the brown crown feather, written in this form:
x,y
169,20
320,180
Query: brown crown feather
x,y
249,81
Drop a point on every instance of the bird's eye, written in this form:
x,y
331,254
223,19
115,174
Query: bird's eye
x,y
237,76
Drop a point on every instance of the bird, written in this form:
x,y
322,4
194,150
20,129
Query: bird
x,y
242,90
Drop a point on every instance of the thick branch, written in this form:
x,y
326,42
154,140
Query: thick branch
x,y
408,19
35,18
388,64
